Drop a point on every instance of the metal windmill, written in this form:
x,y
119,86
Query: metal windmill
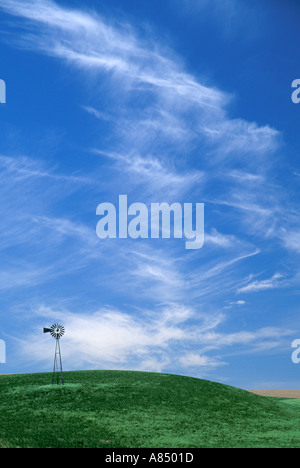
x,y
57,331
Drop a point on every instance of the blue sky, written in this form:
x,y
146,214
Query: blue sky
x,y
177,101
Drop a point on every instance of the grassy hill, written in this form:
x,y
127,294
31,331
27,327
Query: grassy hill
x,y
115,409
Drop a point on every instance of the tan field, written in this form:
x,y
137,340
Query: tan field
x,y
278,393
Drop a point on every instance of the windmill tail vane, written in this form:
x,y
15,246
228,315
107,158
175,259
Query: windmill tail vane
x,y
57,331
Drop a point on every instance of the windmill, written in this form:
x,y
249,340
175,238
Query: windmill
x,y
57,331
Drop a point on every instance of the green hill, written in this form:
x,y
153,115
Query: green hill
x,y
115,409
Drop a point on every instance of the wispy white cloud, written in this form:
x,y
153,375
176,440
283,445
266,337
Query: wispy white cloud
x,y
198,360
90,42
250,341
246,177
111,338
221,240
96,113
162,275
238,136
154,172
291,239
24,167
235,303
28,189
65,228
254,286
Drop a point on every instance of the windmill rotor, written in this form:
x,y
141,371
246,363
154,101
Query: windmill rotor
x,y
57,331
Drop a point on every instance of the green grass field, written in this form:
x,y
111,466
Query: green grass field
x,y
115,409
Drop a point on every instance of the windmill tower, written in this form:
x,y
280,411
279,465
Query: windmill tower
x,y
57,331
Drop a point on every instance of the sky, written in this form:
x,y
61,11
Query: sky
x,y
185,101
